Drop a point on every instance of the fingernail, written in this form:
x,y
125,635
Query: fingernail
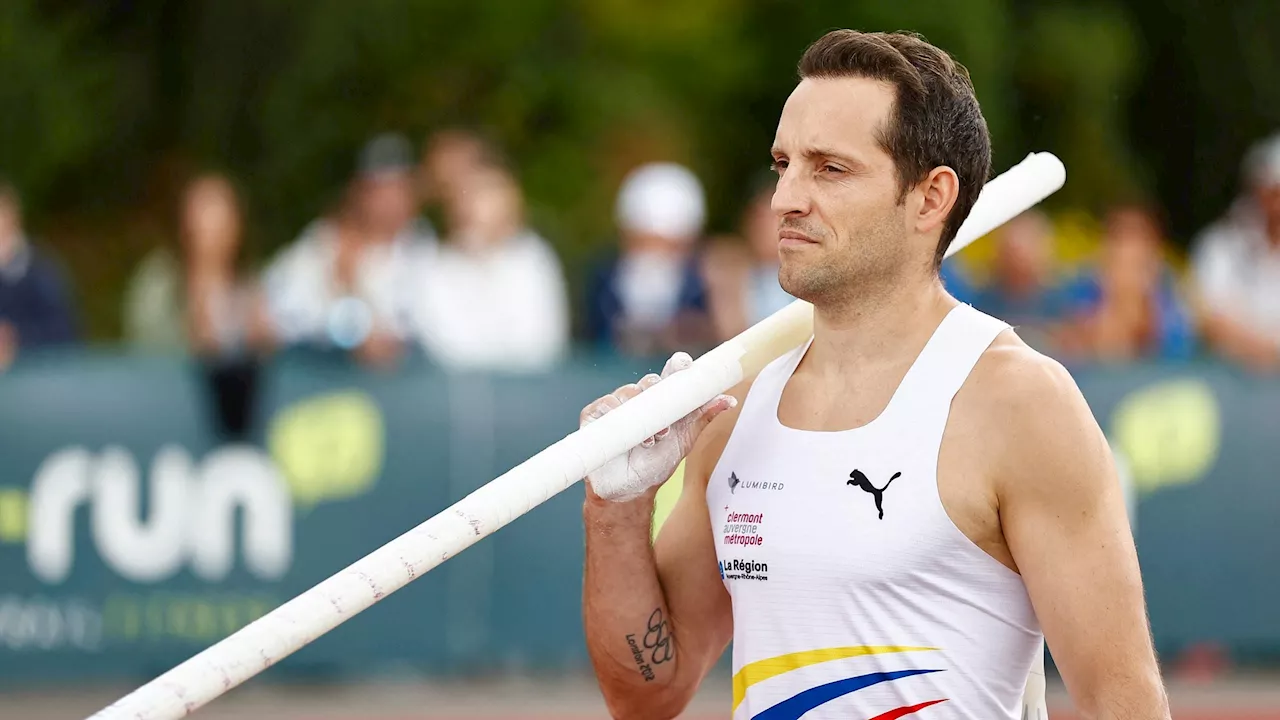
x,y
733,402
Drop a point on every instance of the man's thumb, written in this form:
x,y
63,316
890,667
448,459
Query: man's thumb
x,y
698,420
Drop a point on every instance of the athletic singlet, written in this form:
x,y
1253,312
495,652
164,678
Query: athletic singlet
x,y
854,594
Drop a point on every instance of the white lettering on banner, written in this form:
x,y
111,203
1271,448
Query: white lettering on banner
x,y
39,624
191,516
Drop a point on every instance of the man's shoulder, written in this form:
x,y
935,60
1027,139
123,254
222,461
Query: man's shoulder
x,y
1011,370
1025,407
1013,385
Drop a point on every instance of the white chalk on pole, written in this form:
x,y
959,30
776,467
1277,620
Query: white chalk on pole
x,y
293,625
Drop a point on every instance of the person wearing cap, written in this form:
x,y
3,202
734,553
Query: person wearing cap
x,y
1236,267
351,280
651,298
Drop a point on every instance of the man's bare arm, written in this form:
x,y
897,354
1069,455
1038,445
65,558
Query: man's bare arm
x,y
1064,519
1236,341
657,616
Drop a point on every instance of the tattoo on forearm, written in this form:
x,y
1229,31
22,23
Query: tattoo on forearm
x,y
657,640
638,655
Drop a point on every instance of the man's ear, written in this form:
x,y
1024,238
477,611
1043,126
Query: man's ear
x,y
937,192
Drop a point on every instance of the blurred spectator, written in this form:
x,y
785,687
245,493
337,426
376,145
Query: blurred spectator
x,y
1024,291
1237,267
35,307
202,302
352,280
651,299
196,299
222,313
1129,308
742,279
450,155
219,302
154,317
496,296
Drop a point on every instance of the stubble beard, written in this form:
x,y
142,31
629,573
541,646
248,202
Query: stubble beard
x,y
860,273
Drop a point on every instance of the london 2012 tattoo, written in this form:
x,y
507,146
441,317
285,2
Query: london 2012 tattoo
x,y
638,655
657,640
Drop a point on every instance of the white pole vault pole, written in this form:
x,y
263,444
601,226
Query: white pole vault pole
x,y
271,638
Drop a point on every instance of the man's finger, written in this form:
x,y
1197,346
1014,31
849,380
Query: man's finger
x,y
677,362
692,425
626,392
597,409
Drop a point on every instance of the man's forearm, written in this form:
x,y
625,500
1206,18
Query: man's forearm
x,y
1138,697
628,626
1240,343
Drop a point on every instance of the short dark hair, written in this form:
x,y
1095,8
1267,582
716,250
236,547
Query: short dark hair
x,y
936,119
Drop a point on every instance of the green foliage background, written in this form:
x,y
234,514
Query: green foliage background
x,y
106,104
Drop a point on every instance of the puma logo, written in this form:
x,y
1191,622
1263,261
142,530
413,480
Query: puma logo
x,y
864,483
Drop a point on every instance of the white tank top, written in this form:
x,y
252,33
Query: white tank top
x,y
854,594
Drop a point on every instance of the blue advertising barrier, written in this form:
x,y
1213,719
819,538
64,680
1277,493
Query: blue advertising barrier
x,y
134,534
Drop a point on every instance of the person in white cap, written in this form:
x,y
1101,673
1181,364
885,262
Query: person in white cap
x,y
651,298
1237,267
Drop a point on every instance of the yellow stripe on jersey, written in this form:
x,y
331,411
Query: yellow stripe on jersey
x,y
762,670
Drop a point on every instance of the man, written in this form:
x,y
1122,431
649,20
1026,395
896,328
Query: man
x,y
1023,291
352,280
495,299
35,307
1237,268
894,511
651,296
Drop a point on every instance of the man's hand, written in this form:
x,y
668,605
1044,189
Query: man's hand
x,y
8,345
381,351
648,465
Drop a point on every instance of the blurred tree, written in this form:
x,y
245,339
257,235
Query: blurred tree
x,y
1210,89
117,100
55,99
1076,65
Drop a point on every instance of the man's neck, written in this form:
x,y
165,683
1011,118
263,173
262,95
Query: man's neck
x,y
875,331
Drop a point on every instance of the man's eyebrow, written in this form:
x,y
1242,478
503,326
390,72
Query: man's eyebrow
x,y
824,152
821,152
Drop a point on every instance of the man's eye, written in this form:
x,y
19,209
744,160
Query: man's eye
x,y
778,166
832,169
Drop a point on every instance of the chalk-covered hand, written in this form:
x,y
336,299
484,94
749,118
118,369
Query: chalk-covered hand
x,y
652,462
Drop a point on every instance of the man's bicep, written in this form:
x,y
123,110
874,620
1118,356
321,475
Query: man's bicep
x,y
1064,518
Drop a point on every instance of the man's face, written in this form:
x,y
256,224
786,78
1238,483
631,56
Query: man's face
x,y
486,210
1024,252
1269,200
841,227
212,221
1131,258
388,201
10,228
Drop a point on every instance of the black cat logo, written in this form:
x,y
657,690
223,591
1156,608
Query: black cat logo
x,y
864,483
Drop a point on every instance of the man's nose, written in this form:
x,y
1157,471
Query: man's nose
x,y
791,196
